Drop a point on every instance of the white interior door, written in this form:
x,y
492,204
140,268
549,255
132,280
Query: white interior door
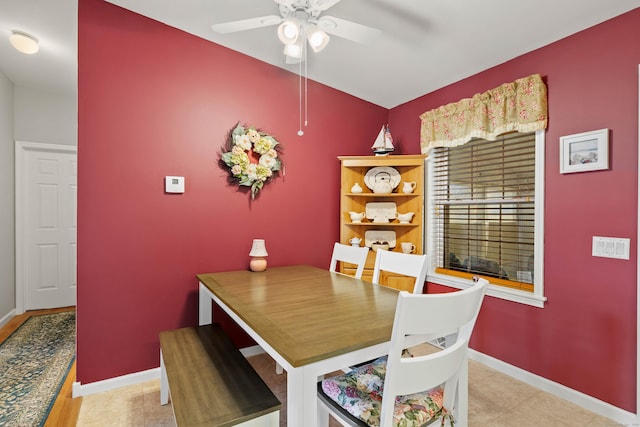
x,y
46,195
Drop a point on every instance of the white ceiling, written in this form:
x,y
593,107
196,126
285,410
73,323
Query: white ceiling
x,y
425,44
55,24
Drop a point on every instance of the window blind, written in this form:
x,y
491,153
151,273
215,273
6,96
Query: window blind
x,y
484,209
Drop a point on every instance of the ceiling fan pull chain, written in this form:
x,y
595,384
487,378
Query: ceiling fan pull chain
x,y
306,89
300,131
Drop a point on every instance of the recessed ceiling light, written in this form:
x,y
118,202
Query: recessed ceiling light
x,y
24,42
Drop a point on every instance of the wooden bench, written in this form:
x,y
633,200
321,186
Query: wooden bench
x,y
210,382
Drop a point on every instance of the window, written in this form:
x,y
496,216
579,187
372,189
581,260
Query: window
x,y
485,214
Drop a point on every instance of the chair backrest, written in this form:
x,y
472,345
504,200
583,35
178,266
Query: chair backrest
x,y
429,315
475,295
351,254
401,263
450,313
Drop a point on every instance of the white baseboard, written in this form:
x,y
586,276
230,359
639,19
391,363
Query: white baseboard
x,y
136,378
114,383
7,317
583,400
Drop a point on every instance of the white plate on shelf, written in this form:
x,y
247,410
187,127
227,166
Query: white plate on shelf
x,y
380,236
382,173
382,211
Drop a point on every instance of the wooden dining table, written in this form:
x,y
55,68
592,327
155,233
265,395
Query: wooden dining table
x,y
309,320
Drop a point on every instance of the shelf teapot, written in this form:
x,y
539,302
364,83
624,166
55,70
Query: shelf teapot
x,y
355,241
382,186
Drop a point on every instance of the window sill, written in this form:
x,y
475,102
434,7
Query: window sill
x,y
501,292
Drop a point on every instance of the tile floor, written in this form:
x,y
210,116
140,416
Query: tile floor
x,y
495,400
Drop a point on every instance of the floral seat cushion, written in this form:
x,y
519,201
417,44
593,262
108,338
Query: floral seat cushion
x,y
359,392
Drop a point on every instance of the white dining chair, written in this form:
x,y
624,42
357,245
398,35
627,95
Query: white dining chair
x,y
350,254
419,319
401,263
469,300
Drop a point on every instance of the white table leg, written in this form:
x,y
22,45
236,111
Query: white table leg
x,y
310,396
294,398
205,314
302,404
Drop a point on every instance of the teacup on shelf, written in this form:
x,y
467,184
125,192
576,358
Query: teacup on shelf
x,y
408,247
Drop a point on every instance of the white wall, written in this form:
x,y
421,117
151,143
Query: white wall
x,y
45,117
31,115
7,197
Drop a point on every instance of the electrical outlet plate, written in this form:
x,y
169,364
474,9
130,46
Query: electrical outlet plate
x,y
610,247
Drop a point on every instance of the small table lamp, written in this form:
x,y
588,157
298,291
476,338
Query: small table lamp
x,y
258,254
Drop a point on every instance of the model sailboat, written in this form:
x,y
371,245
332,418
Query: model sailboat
x,y
383,144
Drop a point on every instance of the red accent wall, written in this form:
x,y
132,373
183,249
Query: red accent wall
x,y
585,337
155,101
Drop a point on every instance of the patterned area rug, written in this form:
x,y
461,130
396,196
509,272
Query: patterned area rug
x,y
34,361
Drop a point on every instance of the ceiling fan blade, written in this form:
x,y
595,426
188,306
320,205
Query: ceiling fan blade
x,y
321,4
246,24
347,29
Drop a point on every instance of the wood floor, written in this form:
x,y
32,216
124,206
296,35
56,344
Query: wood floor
x,y
65,409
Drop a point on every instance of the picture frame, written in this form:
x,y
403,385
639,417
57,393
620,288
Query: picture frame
x,y
584,152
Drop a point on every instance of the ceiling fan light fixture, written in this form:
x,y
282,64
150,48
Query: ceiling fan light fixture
x,y
289,31
292,61
317,38
294,50
23,42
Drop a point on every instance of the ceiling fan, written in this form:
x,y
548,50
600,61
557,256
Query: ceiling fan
x,y
300,20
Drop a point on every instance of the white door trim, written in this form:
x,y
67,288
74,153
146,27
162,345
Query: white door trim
x,y
23,147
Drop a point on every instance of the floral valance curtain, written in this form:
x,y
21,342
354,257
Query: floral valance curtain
x,y
517,106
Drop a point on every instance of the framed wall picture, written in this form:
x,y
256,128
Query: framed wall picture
x,y
582,152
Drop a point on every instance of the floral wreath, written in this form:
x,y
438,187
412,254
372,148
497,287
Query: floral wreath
x,y
240,156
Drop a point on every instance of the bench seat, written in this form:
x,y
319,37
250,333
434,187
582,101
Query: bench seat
x,y
210,382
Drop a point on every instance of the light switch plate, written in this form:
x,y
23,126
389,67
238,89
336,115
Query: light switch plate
x,y
610,247
174,184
